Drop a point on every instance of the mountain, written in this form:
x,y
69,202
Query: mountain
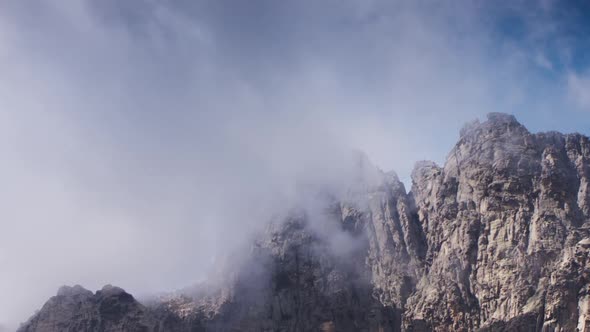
x,y
497,239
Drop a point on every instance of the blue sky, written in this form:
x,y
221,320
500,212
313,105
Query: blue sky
x,y
168,129
528,58
554,38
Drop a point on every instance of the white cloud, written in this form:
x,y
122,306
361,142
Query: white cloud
x,y
579,90
142,140
542,61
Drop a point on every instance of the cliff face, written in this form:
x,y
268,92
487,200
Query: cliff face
x,y
497,239
507,225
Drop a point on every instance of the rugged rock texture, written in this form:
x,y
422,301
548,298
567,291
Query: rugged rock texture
x,y
505,221
77,309
497,239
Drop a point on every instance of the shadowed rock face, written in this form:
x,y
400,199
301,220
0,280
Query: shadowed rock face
x,y
77,309
497,239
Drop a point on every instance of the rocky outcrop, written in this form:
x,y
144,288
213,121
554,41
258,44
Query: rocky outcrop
x,y
77,309
502,219
496,239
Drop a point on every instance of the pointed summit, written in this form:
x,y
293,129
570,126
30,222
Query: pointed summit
x,y
498,117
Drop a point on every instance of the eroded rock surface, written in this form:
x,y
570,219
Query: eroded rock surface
x,y
77,309
496,239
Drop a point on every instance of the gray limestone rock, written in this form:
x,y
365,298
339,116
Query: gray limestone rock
x,y
496,239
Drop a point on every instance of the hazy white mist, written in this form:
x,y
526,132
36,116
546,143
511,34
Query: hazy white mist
x,y
143,140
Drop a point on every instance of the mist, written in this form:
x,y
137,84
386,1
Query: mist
x,y
143,140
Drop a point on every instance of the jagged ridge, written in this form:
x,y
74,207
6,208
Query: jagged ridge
x,y
497,239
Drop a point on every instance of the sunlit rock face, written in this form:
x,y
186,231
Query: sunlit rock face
x,y
497,239
505,221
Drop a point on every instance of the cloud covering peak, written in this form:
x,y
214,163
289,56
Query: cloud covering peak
x,y
140,138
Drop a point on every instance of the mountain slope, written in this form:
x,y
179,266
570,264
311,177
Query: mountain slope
x,y
497,239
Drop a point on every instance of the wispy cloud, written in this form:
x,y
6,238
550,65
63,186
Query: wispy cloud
x,y
543,62
142,140
579,90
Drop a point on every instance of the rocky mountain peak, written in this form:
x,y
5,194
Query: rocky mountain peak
x,y
497,123
496,239
501,118
76,290
110,290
